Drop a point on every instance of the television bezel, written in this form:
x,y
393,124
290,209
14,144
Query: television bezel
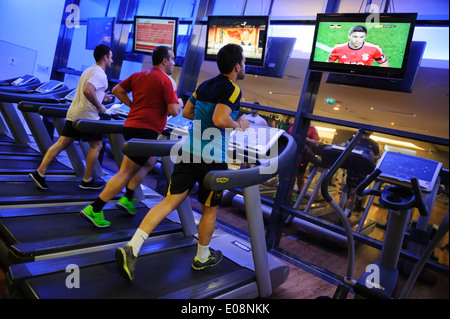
x,y
147,52
374,71
248,61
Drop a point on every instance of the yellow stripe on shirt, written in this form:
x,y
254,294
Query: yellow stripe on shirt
x,y
235,94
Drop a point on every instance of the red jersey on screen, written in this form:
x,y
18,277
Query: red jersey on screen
x,y
362,56
152,91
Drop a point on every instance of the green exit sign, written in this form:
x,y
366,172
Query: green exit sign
x,y
329,101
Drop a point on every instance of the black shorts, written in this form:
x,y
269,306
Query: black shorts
x,y
185,175
131,132
70,131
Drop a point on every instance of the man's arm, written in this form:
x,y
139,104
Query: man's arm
x,y
175,108
89,92
122,95
222,118
189,110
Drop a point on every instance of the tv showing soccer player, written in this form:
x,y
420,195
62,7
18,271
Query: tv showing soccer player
x,y
363,44
250,32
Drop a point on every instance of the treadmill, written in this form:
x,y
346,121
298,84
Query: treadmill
x,y
66,232
24,164
36,92
13,85
164,266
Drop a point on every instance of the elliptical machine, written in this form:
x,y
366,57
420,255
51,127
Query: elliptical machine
x,y
380,279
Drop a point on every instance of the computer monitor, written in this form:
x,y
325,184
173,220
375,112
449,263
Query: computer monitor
x,y
248,31
363,44
150,32
399,169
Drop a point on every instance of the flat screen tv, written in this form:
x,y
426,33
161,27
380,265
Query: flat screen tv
x,y
99,31
363,44
279,50
248,31
150,32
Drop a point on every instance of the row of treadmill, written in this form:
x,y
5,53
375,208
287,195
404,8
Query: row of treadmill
x,y
51,252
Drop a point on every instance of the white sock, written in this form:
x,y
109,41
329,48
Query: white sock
x,y
88,180
40,174
137,240
202,253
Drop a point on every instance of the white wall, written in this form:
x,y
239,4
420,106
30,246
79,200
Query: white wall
x,y
34,25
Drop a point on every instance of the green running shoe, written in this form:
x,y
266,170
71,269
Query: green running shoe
x,y
215,257
127,205
96,218
126,261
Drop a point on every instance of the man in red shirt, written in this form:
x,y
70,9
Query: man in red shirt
x,y
357,50
154,95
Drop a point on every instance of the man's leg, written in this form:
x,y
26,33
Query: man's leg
x,y
92,158
61,144
126,255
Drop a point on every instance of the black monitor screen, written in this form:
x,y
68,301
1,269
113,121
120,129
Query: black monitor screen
x,y
248,31
99,31
363,44
279,50
150,32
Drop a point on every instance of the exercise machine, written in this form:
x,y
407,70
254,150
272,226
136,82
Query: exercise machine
x,y
410,177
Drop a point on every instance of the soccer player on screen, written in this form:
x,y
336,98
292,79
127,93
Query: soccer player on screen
x,y
357,50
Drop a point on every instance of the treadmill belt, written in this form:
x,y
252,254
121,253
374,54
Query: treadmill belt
x,y
71,229
25,165
6,138
26,192
158,275
17,149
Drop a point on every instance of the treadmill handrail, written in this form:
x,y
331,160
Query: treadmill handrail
x,y
33,107
218,180
104,126
53,111
144,147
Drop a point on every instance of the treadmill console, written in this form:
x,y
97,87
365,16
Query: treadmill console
x,y
258,138
49,86
71,95
122,110
23,80
398,169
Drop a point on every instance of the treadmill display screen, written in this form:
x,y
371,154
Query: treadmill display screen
x,y
258,138
398,168
71,95
23,80
49,86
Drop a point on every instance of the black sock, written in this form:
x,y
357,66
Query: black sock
x,y
98,204
129,194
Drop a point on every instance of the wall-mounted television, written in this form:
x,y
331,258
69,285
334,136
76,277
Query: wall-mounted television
x,y
363,44
150,32
248,31
99,31
279,50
